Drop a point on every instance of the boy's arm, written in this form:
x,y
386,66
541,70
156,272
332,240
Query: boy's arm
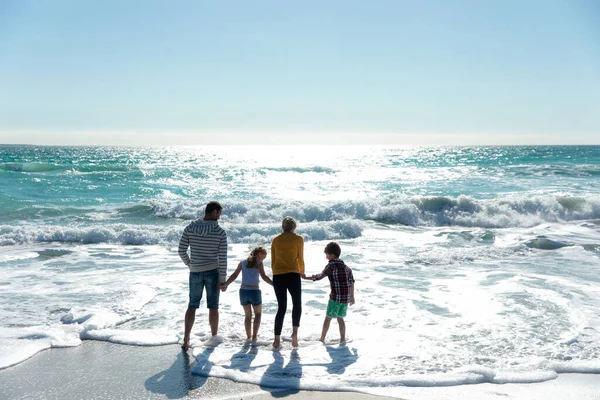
x,y
261,271
321,275
351,280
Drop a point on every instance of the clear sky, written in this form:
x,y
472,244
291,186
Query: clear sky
x,y
199,72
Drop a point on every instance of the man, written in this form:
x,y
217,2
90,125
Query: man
x,y
207,261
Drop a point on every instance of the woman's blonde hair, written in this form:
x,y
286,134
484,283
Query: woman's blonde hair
x,y
252,261
288,224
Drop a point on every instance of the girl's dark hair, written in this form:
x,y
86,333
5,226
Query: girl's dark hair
x,y
333,248
252,261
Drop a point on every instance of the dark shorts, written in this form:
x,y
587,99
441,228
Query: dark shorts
x,y
250,296
201,280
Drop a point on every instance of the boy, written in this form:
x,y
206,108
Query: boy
x,y
342,289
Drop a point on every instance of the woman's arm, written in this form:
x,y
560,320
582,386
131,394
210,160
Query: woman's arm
x,y
261,271
273,248
301,255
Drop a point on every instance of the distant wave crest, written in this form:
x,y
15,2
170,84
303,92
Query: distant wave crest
x,y
161,222
126,234
413,211
40,167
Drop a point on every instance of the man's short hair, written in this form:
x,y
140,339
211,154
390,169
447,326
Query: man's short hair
x,y
212,206
333,248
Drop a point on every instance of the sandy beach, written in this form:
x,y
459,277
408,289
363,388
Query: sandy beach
x,y
100,370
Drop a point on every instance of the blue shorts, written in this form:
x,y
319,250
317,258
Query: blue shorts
x,y
201,280
250,296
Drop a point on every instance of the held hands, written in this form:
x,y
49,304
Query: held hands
x,y
222,286
310,278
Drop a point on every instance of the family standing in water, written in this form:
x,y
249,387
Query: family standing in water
x,y
207,261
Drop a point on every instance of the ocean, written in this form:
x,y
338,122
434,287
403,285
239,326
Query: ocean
x,y
472,264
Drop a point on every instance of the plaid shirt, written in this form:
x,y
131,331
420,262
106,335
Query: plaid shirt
x,y
340,279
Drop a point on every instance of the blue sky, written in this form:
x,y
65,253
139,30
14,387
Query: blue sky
x,y
199,72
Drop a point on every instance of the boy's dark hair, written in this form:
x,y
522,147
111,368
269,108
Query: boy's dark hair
x,y
212,206
333,248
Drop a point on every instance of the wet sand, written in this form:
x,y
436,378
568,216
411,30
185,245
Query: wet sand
x,y
101,370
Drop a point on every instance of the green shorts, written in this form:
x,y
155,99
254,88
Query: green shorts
x,y
336,310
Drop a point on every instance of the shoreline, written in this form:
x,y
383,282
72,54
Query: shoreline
x,y
100,370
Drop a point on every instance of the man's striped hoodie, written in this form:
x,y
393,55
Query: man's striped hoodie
x,y
207,242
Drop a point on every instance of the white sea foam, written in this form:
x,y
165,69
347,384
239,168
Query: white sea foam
x,y
468,270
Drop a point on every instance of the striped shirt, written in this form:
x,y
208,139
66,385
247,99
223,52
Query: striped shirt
x,y
207,242
340,280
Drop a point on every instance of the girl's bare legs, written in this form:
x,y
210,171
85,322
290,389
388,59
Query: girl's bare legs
x,y
325,328
257,318
248,319
342,325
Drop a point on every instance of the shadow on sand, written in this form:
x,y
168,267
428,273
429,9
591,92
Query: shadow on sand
x,y
177,381
341,358
280,380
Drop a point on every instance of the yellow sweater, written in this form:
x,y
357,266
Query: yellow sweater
x,y
287,254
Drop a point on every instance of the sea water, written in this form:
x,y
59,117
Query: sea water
x,y
472,264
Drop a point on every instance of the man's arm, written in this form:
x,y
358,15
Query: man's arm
x,y
223,258
351,300
184,243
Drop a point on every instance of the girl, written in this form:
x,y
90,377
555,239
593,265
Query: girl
x,y
250,294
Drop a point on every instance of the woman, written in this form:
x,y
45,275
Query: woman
x,y
287,264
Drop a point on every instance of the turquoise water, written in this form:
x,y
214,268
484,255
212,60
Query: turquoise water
x,y
473,264
105,187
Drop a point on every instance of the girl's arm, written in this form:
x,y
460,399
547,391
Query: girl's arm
x,y
261,271
233,276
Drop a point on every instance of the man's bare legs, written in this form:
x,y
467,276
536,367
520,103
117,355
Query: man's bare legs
x,y
213,320
325,328
342,325
190,317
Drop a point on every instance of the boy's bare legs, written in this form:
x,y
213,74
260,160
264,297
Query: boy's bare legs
x,y
190,317
257,318
248,319
325,328
342,325
295,337
213,320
